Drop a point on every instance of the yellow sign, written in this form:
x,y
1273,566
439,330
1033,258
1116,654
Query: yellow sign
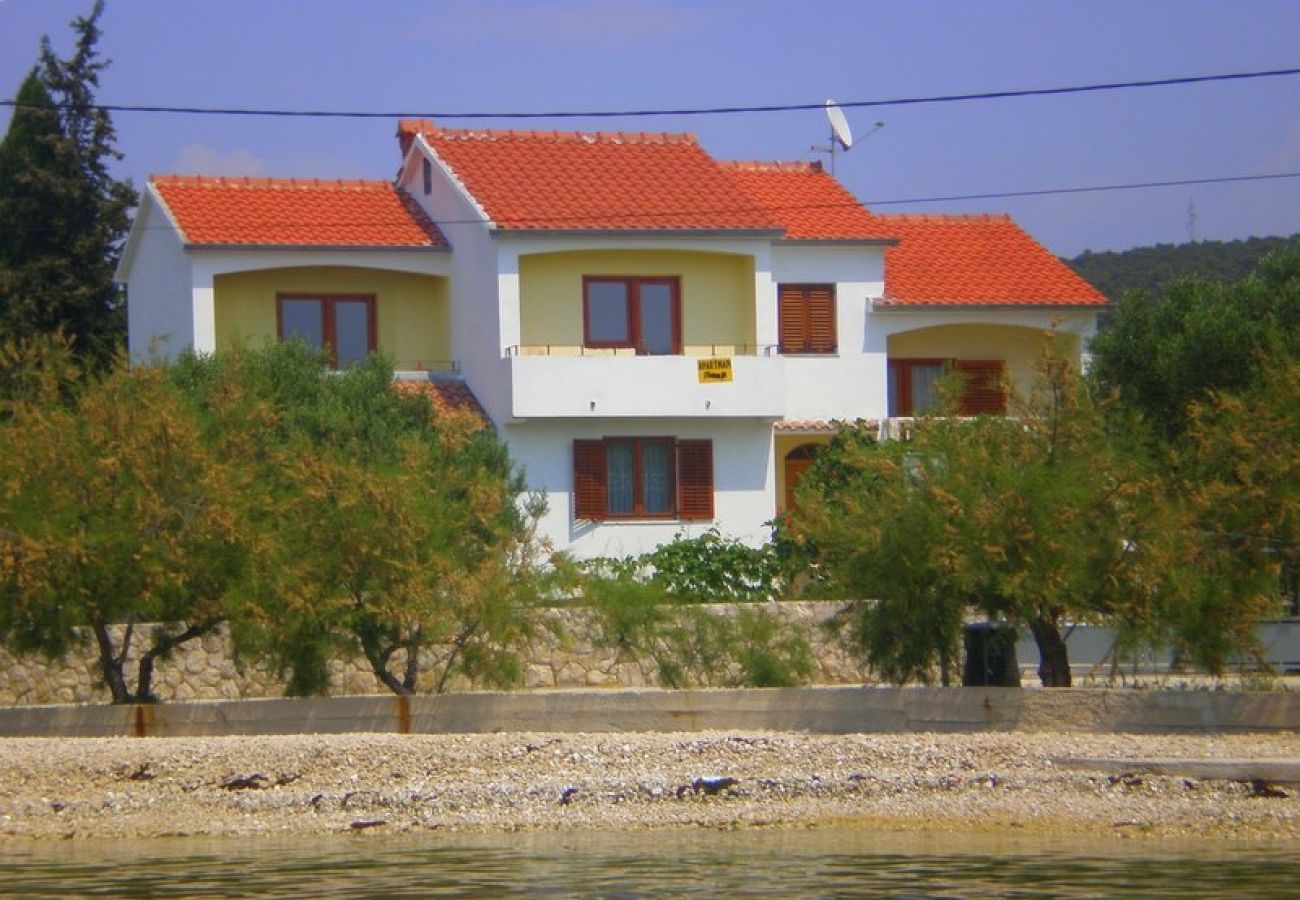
x,y
716,369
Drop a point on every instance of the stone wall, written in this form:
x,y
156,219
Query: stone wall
x,y
564,654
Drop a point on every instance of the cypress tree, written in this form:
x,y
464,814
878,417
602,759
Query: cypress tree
x,y
63,216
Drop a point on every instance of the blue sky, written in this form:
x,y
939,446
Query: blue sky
x,y
429,56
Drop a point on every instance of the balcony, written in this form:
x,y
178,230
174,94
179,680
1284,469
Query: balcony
x,y
579,382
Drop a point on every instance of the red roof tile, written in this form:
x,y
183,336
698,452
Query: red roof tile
x,y
806,200
558,180
975,261
450,397
278,212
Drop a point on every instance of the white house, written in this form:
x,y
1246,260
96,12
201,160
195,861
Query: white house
x,y
661,338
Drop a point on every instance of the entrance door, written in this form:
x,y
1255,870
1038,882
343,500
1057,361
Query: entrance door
x,y
797,462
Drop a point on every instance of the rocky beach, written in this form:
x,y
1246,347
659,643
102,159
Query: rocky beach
x,y
87,788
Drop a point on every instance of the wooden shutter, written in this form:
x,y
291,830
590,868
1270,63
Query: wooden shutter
x,y
806,314
819,302
695,479
982,394
790,315
588,480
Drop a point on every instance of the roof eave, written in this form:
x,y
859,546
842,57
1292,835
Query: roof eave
x,y
888,305
401,248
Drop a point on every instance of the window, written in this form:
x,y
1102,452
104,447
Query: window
x,y
807,318
426,171
643,314
344,324
643,478
914,386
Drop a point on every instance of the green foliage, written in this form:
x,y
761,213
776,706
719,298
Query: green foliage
x,y
1162,353
62,216
1150,269
713,569
691,644
114,511
1024,519
381,526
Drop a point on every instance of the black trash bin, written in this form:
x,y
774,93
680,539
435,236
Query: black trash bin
x,y
990,656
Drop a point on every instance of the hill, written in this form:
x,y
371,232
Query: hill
x,y
1146,268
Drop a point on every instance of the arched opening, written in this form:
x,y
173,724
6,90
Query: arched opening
x,y
796,463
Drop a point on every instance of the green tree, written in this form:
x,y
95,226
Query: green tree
x,y
1162,353
63,216
1035,519
113,514
1240,481
383,527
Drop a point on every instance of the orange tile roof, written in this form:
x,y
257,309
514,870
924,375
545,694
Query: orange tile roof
x,y
805,199
280,212
562,180
975,261
450,397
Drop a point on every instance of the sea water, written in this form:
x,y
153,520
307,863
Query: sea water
x,y
682,863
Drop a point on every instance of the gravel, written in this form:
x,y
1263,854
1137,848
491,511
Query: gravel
x,y
301,785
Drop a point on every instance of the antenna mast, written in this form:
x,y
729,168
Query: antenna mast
x,y
841,137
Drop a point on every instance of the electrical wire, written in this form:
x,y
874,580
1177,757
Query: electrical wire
x,y
948,198
689,111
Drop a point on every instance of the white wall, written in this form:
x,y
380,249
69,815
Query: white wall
x,y
476,279
159,314
743,481
850,383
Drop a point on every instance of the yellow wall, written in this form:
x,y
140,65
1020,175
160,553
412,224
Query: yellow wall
x,y
1020,348
717,293
411,311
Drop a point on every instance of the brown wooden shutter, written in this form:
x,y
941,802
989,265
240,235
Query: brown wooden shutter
x,y
695,479
588,480
820,305
982,394
791,320
806,318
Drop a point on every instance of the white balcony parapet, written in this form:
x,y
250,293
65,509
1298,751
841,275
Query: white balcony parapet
x,y
626,385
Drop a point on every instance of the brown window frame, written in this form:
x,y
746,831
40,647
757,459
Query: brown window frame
x,y
797,329
329,323
977,397
691,474
632,311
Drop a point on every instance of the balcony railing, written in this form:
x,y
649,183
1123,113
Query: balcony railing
x,y
691,350
439,366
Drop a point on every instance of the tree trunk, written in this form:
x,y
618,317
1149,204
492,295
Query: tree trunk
x,y
1053,657
162,646
378,659
111,664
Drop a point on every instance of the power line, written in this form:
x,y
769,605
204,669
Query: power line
x,y
949,198
1131,186
696,111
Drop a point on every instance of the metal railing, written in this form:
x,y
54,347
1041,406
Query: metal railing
x,y
695,351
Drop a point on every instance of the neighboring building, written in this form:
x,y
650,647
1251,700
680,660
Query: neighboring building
x,y
663,340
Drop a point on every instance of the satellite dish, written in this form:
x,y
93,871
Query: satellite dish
x,y
839,125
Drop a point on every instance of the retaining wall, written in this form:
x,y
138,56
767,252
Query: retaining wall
x,y
565,653
824,710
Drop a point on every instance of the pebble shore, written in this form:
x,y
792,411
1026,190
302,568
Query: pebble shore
x,y
305,785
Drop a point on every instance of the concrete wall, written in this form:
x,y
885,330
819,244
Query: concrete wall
x,y
825,710
565,653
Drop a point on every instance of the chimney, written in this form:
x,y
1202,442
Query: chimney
x,y
407,129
